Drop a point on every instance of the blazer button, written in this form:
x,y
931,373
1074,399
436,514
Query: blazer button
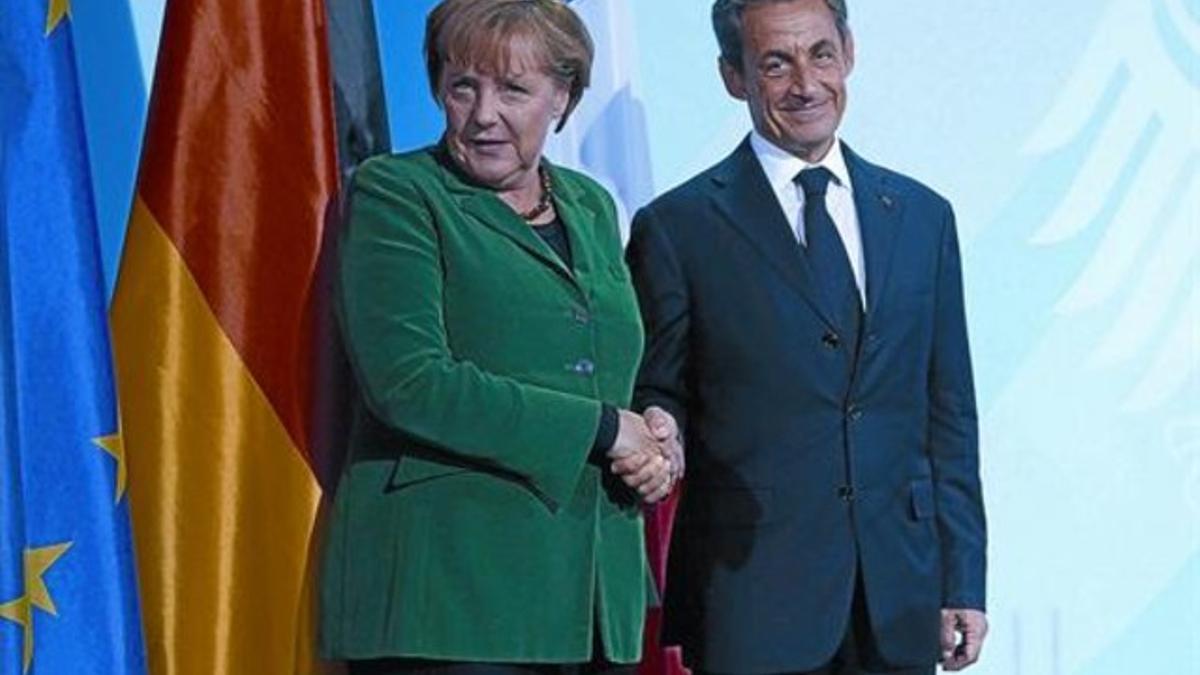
x,y
846,493
580,316
583,367
854,413
831,340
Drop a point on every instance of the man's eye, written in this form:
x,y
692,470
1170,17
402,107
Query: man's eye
x,y
774,67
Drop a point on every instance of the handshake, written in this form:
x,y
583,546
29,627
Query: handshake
x,y
648,453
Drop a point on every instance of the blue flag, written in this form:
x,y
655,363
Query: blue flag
x,y
68,590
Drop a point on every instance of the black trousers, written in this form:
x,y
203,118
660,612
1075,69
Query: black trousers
x,y
857,655
427,667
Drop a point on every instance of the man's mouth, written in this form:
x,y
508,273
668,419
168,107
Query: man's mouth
x,y
807,107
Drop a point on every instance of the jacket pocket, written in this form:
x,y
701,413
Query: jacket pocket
x,y
921,499
409,471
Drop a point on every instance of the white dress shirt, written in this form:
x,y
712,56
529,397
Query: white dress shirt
x,y
782,167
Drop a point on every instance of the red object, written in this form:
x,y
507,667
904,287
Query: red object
x,y
656,659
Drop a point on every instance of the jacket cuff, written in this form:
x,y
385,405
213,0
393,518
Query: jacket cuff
x,y
606,434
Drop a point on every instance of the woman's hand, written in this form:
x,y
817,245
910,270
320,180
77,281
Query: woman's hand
x,y
640,459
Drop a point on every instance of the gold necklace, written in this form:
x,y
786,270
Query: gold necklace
x,y
543,204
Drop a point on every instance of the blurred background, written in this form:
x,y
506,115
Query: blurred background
x,y
1066,134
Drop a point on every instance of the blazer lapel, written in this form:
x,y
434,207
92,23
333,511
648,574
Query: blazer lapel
x,y
745,200
579,218
879,215
491,212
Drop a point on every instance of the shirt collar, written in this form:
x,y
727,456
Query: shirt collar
x,y
782,166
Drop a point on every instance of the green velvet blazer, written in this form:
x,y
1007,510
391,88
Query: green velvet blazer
x,y
468,523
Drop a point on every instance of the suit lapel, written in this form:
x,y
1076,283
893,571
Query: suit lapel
x,y
746,201
879,215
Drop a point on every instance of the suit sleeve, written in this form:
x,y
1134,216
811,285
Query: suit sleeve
x,y
391,287
658,278
954,437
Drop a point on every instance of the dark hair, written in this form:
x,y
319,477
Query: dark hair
x,y
727,24
479,32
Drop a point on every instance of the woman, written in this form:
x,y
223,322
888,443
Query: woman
x,y
488,517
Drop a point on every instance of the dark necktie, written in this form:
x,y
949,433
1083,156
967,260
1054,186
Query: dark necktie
x,y
827,254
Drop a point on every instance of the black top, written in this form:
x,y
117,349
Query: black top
x,y
555,234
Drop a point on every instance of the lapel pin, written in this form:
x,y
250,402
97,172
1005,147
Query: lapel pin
x,y
887,201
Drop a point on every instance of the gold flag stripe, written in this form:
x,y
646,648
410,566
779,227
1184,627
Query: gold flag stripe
x,y
214,479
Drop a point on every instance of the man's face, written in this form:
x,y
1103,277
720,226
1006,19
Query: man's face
x,y
793,74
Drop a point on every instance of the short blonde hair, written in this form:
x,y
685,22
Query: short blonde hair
x,y
479,32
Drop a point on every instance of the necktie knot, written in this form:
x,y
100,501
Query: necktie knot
x,y
814,181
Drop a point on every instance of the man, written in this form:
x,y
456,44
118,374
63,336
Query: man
x,y
806,328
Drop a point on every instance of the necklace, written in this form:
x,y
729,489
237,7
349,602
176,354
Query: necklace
x,y
543,204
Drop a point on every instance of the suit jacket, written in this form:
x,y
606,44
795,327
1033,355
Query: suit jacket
x,y
807,455
468,524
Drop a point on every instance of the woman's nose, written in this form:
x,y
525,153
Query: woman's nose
x,y
486,110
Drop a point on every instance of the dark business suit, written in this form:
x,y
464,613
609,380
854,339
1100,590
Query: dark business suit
x,y
810,454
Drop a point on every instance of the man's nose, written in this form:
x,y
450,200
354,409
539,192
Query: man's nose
x,y
804,80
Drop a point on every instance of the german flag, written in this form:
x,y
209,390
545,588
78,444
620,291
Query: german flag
x,y
213,324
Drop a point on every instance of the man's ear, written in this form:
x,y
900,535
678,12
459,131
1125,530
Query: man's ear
x,y
735,84
848,50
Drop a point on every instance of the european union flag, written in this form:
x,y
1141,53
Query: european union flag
x,y
68,590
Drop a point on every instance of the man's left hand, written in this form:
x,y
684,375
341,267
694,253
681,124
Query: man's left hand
x,y
963,631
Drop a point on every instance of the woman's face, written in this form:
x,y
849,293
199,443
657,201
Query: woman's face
x,y
497,116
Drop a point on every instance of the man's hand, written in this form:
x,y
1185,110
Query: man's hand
x,y
639,459
963,631
665,430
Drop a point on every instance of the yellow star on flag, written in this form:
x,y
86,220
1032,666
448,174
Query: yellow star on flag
x,y
20,611
114,444
58,9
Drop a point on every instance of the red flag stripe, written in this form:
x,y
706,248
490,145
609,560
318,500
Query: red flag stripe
x,y
240,122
